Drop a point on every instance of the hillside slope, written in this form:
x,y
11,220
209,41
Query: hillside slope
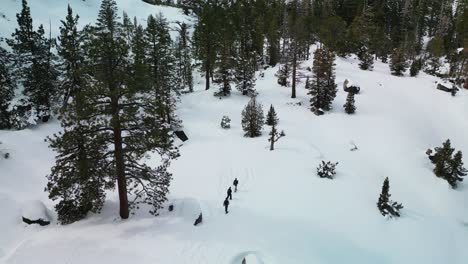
x,y
282,213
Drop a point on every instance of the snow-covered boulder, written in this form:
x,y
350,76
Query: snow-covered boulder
x,y
35,212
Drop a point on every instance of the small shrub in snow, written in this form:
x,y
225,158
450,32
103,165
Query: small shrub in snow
x,y
448,166
385,205
349,106
327,169
226,122
415,68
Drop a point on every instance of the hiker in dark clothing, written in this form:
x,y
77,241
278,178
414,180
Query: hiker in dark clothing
x,y
226,204
229,193
235,184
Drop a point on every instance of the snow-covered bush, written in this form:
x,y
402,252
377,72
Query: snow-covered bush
x,y
226,122
327,169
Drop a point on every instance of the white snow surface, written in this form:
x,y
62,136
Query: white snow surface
x,y
283,212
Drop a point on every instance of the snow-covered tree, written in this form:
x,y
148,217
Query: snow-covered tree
x,y
327,169
323,88
226,122
252,118
183,57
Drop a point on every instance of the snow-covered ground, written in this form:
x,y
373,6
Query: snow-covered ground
x,y
282,213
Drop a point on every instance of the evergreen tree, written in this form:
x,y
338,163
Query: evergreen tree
x,y
252,118
415,67
275,135
349,105
283,74
245,64
162,71
398,64
6,90
323,88
385,205
436,50
34,68
272,118
71,55
132,122
183,58
447,166
457,171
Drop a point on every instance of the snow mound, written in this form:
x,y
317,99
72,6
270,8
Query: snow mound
x,y
35,212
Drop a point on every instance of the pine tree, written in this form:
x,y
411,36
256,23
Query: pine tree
x,y
34,68
275,135
272,118
162,74
323,88
6,89
252,118
283,74
349,105
415,67
457,171
398,64
385,205
366,59
71,54
245,64
447,166
183,58
132,122
435,47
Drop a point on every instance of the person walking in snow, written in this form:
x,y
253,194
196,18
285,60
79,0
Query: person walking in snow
x,y
235,184
229,193
226,204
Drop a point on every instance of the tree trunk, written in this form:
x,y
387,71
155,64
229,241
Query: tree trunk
x,y
119,161
293,88
207,68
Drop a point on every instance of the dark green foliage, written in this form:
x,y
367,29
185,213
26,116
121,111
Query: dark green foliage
x,y
415,67
183,55
6,89
72,57
398,64
448,166
115,118
385,205
323,88
252,118
34,68
349,106
327,169
283,74
272,118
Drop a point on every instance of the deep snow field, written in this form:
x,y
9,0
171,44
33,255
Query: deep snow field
x,y
283,212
